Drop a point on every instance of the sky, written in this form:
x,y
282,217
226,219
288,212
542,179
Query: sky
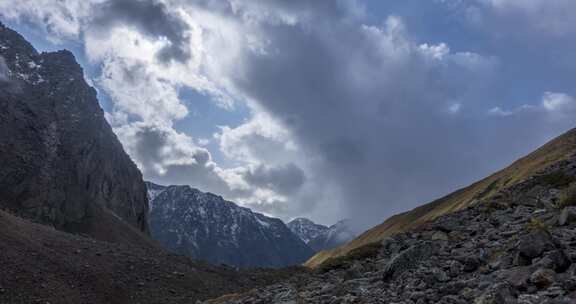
x,y
326,109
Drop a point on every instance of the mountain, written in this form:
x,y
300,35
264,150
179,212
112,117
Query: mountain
x,y
336,235
306,229
554,152
515,246
60,162
153,190
511,242
207,227
42,265
319,237
62,166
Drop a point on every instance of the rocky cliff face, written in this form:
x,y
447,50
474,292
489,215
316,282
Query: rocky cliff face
x,y
516,246
60,162
306,229
205,226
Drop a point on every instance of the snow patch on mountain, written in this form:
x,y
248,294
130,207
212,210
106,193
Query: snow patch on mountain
x,y
207,227
306,229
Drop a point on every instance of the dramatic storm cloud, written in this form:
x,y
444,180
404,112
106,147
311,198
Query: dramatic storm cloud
x,y
351,112
150,18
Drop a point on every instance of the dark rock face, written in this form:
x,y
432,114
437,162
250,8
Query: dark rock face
x,y
306,229
206,227
60,162
336,235
500,250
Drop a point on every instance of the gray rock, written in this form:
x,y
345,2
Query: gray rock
x,y
567,216
535,243
542,278
440,236
500,293
440,275
518,277
471,262
407,259
559,260
530,299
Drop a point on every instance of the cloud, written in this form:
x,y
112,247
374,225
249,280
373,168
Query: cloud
x,y
151,18
347,118
552,17
62,19
558,102
259,140
352,105
555,107
168,157
140,92
285,180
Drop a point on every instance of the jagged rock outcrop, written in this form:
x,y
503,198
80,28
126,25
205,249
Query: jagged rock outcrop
x,y
207,227
336,235
407,259
60,162
306,229
509,247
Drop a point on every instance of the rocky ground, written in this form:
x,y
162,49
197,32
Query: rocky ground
x,y
39,264
517,246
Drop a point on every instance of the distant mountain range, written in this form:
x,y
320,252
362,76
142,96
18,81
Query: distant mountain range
x,y
306,229
336,235
207,227
319,237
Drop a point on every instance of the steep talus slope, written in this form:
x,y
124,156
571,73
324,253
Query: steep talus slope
x,y
60,162
555,151
41,265
514,246
305,229
207,227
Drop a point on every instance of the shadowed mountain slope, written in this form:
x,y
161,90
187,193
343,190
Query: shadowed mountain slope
x,y
61,164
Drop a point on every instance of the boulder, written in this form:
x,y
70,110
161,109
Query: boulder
x,y
559,259
440,236
500,293
567,216
534,244
542,278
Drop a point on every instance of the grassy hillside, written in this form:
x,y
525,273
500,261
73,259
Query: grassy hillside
x,y
556,150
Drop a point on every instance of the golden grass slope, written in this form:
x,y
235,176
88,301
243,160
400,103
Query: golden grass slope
x,y
556,150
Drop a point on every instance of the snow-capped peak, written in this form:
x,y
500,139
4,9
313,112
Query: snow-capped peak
x,y
207,227
306,229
